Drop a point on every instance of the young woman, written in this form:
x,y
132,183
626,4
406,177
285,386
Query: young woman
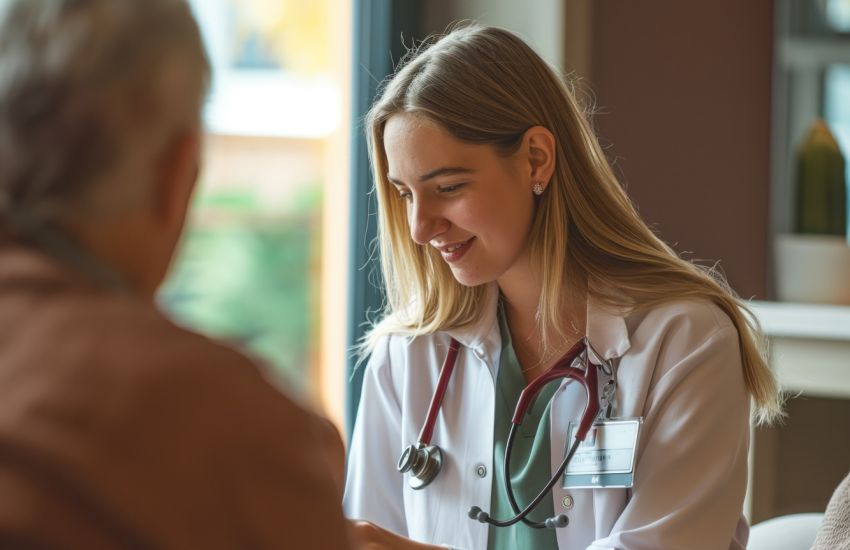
x,y
503,229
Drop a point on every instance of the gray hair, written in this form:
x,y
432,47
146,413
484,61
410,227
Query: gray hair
x,y
89,92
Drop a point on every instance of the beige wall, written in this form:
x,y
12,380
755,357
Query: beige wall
x,y
274,168
539,22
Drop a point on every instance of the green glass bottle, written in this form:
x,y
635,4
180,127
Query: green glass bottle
x,y
821,190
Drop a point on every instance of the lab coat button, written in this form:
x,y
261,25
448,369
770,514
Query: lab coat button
x,y
568,502
481,470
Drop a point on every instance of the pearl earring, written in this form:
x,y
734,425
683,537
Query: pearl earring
x,y
537,188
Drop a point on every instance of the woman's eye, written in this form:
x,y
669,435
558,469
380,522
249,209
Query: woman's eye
x,y
450,188
405,195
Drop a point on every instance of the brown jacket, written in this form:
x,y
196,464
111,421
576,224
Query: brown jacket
x,y
120,430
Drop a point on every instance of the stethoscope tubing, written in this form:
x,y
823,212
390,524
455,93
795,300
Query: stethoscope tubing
x,y
425,460
523,514
562,369
437,399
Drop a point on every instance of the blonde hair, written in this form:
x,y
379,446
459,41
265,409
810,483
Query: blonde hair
x,y
485,85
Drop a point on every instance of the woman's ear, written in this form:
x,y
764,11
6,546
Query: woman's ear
x,y
539,145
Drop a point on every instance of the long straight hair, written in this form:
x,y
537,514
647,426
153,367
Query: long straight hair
x,y
486,86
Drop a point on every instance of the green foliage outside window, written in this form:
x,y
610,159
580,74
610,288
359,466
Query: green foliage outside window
x,y
250,277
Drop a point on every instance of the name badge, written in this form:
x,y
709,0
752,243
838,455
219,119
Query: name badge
x,y
606,458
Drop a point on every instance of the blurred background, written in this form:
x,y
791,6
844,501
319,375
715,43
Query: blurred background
x,y
702,107
265,234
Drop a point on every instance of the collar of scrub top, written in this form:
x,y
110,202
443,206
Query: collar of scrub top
x,y
606,329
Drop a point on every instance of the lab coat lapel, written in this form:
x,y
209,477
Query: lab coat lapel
x,y
606,331
482,337
478,332
591,512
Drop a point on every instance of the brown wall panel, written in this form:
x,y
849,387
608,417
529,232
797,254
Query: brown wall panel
x,y
684,89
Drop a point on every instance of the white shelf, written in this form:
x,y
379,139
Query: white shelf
x,y
809,52
809,347
803,321
810,355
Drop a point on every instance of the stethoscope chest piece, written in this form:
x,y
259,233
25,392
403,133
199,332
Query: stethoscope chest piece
x,y
423,462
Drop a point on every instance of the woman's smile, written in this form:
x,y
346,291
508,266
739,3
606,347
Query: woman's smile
x,y
454,252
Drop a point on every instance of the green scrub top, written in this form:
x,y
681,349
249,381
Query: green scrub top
x,y
532,439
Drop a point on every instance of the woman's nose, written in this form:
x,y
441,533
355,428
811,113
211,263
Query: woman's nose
x,y
426,221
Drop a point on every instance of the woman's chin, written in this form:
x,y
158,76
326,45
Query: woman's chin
x,y
471,279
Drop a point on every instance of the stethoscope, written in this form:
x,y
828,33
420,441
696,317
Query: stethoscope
x,y
425,460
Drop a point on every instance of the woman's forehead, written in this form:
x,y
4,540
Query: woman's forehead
x,y
405,126
416,146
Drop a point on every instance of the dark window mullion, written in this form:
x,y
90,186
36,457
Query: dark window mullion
x,y
379,26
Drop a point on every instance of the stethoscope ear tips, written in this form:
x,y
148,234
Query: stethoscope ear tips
x,y
478,514
557,522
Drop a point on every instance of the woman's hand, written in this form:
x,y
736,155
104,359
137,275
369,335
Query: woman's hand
x,y
368,536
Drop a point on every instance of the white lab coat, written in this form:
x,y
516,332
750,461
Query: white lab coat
x,y
679,368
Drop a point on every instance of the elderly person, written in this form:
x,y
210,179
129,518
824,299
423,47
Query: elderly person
x,y
117,428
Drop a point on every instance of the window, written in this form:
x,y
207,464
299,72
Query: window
x,y
269,222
